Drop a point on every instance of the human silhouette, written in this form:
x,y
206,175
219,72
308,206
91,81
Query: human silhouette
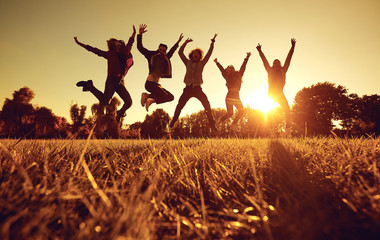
x,y
159,67
234,80
193,80
119,61
276,78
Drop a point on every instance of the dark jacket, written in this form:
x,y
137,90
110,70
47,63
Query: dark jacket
x,y
159,64
118,63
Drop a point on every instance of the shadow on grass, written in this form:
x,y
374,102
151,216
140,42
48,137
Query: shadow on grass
x,y
309,206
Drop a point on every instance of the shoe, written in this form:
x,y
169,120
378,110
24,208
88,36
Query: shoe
x,y
149,102
85,84
144,97
119,116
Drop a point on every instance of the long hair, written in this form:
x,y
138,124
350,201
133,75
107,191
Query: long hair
x,y
111,43
200,51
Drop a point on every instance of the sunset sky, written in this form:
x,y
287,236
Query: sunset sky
x,y
337,41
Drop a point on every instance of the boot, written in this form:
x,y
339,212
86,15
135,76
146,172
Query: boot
x,y
85,84
119,116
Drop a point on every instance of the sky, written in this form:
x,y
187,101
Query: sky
x,y
337,41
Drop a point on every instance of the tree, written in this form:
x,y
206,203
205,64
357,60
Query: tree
x,y
77,115
17,114
363,117
106,125
370,111
317,106
154,125
45,123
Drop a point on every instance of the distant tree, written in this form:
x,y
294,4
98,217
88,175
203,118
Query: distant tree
x,y
45,123
155,125
363,116
199,125
317,106
370,111
224,128
181,129
62,128
17,114
77,115
106,125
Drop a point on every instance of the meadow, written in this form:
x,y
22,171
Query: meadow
x,y
272,188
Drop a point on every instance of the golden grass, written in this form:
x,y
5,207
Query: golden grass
x,y
311,188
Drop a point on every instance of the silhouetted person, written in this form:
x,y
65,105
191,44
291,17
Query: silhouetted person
x,y
276,78
193,80
159,67
119,61
234,80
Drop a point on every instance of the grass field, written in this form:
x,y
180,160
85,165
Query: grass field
x,y
310,188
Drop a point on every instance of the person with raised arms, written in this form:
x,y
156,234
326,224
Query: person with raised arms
x,y
193,80
234,80
277,77
119,61
159,67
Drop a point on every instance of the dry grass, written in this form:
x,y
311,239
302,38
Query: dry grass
x,y
313,188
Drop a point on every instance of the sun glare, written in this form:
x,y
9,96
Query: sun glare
x,y
259,100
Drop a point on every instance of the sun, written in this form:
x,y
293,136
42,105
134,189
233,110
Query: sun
x,y
259,100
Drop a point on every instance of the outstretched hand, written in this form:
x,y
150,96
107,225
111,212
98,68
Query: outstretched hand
x,y
188,40
134,31
180,38
76,39
258,47
142,29
248,54
293,41
213,39
216,60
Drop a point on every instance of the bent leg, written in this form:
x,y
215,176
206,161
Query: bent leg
x,y
158,93
124,94
109,90
98,94
239,105
186,95
281,99
230,109
201,96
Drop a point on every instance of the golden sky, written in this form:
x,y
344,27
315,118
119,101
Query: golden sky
x,y
337,41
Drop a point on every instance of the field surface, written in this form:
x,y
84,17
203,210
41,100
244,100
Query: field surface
x,y
310,188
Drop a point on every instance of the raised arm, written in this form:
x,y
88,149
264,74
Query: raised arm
x,y
209,52
130,41
242,68
263,58
79,43
221,68
140,47
182,48
91,49
175,46
290,54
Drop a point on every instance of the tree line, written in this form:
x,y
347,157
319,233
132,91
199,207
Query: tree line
x,y
321,109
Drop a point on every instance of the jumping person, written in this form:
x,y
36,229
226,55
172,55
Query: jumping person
x,y
234,80
119,61
276,78
193,80
159,67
